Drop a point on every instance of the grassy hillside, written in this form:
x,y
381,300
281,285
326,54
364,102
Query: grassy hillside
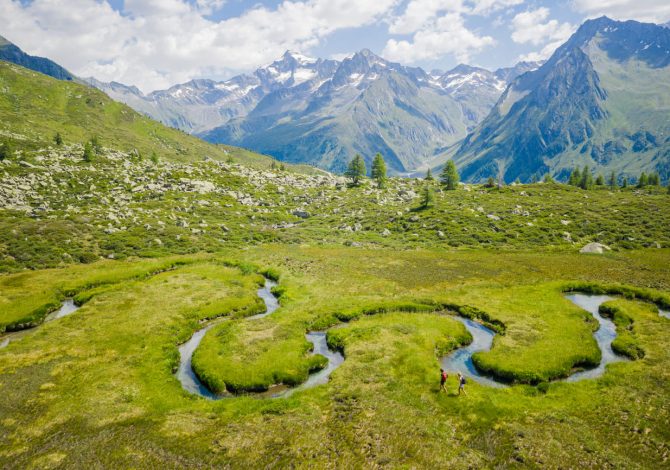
x,y
34,107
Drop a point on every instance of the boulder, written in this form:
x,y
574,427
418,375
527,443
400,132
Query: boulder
x,y
301,214
594,247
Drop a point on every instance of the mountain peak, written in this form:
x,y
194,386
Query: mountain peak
x,y
298,57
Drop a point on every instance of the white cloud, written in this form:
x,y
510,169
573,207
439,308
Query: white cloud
x,y
157,43
438,28
446,35
534,27
654,11
480,7
418,13
531,27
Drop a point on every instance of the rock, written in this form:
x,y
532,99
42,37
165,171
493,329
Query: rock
x,y
440,234
386,232
594,247
158,241
493,217
565,222
203,187
414,218
301,214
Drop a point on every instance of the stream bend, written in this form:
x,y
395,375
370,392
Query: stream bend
x,y
191,383
66,308
459,360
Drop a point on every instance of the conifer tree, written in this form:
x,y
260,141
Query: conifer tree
x,y
643,181
548,178
58,140
378,171
427,196
600,180
356,170
654,179
449,176
88,152
624,183
95,144
575,177
429,175
587,178
490,183
612,180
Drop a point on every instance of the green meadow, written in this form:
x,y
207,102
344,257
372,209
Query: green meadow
x,y
96,388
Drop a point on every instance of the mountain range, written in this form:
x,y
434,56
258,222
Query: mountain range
x,y
11,53
319,111
602,99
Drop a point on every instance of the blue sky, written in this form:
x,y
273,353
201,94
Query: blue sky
x,y
158,43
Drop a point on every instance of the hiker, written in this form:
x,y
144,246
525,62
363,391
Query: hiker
x,y
443,380
461,383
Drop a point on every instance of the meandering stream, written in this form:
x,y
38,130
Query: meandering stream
x,y
459,360
66,308
192,383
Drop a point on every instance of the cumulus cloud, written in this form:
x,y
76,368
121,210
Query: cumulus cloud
x,y
157,43
446,35
534,27
653,11
438,28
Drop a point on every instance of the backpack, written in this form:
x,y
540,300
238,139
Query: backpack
x,y
464,380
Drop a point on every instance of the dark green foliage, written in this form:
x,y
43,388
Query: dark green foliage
x,y
6,150
612,181
58,140
154,158
654,179
624,183
600,180
429,175
548,178
427,197
586,181
575,177
356,170
643,181
95,143
490,183
88,152
449,176
378,172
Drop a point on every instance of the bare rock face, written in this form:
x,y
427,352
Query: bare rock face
x,y
594,247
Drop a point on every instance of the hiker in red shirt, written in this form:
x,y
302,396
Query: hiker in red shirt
x,y
443,380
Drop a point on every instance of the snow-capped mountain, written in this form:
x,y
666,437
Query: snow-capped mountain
x,y
602,100
361,104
